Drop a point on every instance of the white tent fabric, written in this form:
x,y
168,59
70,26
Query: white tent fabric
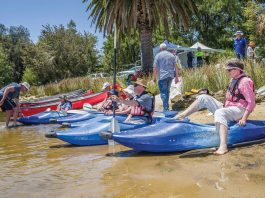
x,y
204,48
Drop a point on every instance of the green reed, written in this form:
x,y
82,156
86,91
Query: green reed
x,y
214,77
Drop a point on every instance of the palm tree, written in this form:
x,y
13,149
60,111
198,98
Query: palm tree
x,y
144,16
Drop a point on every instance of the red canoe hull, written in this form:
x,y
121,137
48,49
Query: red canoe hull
x,y
77,103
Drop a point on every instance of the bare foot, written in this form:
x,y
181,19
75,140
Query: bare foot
x,y
220,151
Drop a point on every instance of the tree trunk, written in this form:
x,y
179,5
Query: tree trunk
x,y
146,50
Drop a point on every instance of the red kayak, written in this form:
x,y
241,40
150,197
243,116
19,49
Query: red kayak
x,y
55,98
77,103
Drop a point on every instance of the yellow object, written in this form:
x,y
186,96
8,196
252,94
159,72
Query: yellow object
x,y
195,90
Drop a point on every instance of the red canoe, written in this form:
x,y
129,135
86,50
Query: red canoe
x,y
77,103
55,98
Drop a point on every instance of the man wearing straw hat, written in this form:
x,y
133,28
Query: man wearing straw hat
x,y
142,105
9,100
239,103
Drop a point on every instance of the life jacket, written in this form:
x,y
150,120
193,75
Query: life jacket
x,y
141,111
234,94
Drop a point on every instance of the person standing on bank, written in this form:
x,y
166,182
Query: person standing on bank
x,y
199,55
190,59
240,44
164,69
9,100
239,103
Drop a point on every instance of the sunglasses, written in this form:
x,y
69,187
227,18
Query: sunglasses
x,y
136,85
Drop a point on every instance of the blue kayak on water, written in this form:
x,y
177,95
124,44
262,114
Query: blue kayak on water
x,y
99,115
88,134
172,136
46,117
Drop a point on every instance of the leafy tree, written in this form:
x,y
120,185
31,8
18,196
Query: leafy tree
x,y
128,52
61,53
255,24
6,68
14,40
142,15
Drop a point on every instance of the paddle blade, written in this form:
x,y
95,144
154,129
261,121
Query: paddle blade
x,y
114,128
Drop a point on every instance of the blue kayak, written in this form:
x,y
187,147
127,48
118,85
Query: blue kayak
x,y
172,136
79,116
88,135
99,115
41,118
47,116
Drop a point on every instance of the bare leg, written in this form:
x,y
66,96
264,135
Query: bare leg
x,y
223,140
15,115
194,107
8,116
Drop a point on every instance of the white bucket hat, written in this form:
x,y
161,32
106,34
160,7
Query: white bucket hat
x,y
105,85
130,90
239,32
26,85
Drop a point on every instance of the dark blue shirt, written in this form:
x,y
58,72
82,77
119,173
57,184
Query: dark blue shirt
x,y
13,94
240,46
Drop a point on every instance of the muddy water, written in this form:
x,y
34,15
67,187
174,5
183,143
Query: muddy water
x,y
33,166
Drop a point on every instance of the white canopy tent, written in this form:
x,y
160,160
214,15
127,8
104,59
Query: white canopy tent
x,y
205,48
183,55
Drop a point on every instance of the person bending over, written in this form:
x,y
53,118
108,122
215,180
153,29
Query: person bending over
x,y
9,100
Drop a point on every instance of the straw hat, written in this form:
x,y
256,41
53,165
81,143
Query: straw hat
x,y
141,82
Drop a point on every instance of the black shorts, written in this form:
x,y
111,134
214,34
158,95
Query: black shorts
x,y
9,104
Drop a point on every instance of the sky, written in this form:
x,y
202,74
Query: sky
x,y
33,14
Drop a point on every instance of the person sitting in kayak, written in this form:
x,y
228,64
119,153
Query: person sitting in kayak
x,y
9,100
239,103
141,106
125,109
65,104
107,105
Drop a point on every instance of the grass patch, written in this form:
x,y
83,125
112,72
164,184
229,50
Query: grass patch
x,y
213,77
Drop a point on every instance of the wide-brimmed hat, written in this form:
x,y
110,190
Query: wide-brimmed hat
x,y
141,82
105,85
130,90
234,64
239,32
26,85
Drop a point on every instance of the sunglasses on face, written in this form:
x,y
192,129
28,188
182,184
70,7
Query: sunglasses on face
x,y
135,85
229,70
